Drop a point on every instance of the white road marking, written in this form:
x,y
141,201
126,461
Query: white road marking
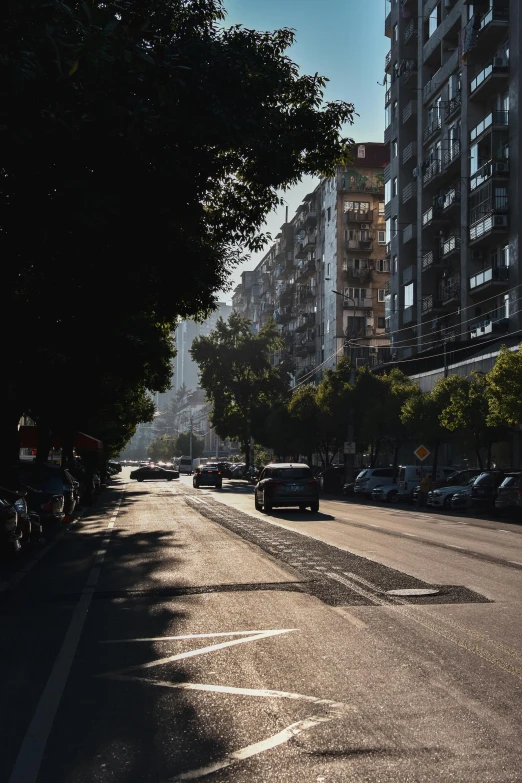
x,y
377,526
29,759
253,750
201,651
454,546
184,636
515,562
410,535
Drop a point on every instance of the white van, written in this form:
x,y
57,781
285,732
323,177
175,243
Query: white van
x,y
185,465
370,478
410,476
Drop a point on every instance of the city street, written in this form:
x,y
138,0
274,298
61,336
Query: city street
x,y
177,634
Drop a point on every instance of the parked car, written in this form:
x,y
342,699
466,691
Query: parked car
x,y
461,500
348,489
28,522
369,478
509,493
388,493
458,478
208,475
441,497
485,487
53,481
10,533
154,473
286,484
410,477
331,480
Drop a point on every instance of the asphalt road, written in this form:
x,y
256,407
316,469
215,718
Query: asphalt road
x,y
176,634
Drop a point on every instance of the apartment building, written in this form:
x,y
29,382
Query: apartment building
x,y
452,185
324,280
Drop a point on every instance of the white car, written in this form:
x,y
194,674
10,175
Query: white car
x,y
388,493
441,498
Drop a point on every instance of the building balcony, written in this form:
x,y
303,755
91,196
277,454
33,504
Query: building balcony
x,y
497,168
409,316
408,70
283,315
365,245
430,260
388,249
409,152
409,111
357,304
283,269
431,130
450,247
387,173
409,274
449,292
432,170
494,277
310,218
451,198
493,26
286,291
305,321
490,80
305,293
387,97
488,326
495,120
267,308
430,304
353,273
432,217
359,217
387,62
452,155
490,225
410,30
409,233
388,26
453,106
408,192
304,269
387,211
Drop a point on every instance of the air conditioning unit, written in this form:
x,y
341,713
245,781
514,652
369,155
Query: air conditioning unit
x,y
500,62
501,168
500,221
369,314
476,255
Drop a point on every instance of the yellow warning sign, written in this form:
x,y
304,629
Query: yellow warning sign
x,y
422,452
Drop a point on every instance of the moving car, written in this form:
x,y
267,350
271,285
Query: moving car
x,y
369,478
441,497
286,484
154,473
208,475
386,492
509,494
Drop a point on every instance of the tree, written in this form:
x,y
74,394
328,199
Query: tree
x,y
145,136
306,419
162,449
335,401
423,413
182,447
168,422
237,375
504,389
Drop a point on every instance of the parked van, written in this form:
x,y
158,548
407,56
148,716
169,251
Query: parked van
x,y
185,465
370,478
410,476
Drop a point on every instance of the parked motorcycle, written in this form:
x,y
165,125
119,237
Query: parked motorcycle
x,y
10,533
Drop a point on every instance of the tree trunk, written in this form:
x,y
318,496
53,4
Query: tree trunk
x,y
377,451
395,460
479,458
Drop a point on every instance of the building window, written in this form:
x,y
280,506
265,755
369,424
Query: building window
x,y
381,208
434,20
394,303
381,237
383,265
381,295
408,295
356,206
329,213
395,111
394,187
394,148
361,151
395,32
394,265
394,226
381,323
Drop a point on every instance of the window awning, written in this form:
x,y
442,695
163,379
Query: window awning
x,y
29,440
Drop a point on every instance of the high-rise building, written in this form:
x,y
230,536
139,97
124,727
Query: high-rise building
x,y
453,182
185,369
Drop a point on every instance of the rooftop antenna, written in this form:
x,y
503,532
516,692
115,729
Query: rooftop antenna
x,y
286,214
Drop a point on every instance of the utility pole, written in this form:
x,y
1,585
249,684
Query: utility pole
x,y
190,437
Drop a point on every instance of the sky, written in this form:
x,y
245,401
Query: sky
x,y
340,39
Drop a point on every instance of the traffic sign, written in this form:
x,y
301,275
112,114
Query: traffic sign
x,y
349,447
422,452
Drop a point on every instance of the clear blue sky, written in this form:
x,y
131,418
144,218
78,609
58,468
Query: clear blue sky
x,y
340,39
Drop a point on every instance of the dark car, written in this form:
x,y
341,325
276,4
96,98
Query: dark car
x,y
332,479
208,475
509,494
286,484
52,481
485,487
154,473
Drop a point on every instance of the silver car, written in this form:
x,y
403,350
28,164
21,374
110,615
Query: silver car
x,y
286,484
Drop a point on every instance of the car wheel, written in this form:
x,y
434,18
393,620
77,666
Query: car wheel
x,y
140,479
268,508
257,504
219,486
392,497
447,501
169,478
302,507
194,482
314,507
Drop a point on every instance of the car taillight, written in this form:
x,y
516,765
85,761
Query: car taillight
x,y
311,483
48,506
219,473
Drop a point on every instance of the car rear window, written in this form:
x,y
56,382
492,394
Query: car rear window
x,y
486,479
291,473
512,481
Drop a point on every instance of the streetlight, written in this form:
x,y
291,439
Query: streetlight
x,y
349,458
